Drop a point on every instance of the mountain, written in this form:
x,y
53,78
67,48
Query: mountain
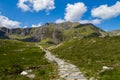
x,y
54,32
114,33
3,35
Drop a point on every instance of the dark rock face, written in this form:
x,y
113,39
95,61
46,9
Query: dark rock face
x,y
3,36
56,32
2,33
21,32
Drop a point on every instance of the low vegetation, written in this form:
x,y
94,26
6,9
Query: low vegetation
x,y
91,54
56,33
46,43
16,57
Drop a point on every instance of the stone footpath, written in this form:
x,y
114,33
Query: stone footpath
x,y
67,71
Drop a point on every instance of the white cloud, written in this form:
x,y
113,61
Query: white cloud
x,y
33,25
59,21
43,4
38,25
75,11
106,12
25,27
21,4
36,5
94,21
6,22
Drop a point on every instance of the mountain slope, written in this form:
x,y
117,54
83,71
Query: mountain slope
x,y
93,56
56,32
3,35
114,33
84,30
16,56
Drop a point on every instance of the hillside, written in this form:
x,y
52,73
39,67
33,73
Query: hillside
x,y
3,35
56,32
83,45
18,54
16,57
95,57
114,33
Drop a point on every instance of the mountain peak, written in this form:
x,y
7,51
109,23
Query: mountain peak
x,y
56,32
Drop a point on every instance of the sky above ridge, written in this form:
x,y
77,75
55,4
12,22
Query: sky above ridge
x,y
31,13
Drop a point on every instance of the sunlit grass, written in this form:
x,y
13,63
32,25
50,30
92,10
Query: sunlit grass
x,y
91,54
17,56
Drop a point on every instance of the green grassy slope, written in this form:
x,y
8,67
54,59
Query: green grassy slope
x,y
55,32
91,54
80,32
18,56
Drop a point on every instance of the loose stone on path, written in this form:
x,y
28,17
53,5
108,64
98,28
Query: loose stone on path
x,y
67,71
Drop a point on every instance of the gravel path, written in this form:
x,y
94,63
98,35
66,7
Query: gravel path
x,y
67,71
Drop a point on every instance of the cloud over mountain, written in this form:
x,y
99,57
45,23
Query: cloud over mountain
x,y
94,21
6,22
36,25
75,11
59,21
106,12
36,5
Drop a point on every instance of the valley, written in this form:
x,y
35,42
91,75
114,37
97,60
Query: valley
x,y
59,39
59,51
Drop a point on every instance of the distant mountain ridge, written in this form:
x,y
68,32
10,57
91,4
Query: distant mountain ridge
x,y
114,33
53,32
3,35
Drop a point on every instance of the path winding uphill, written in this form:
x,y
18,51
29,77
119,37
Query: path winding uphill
x,y
67,71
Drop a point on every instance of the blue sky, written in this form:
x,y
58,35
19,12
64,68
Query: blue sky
x,y
105,17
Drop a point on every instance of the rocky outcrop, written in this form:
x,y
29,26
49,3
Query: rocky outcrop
x,y
56,32
114,33
3,35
